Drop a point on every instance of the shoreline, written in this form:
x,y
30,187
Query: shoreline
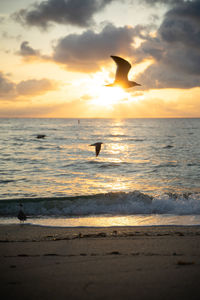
x,y
33,232
107,220
137,262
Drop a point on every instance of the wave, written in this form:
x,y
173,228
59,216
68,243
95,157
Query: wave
x,y
116,135
167,165
116,203
135,140
7,181
168,146
110,165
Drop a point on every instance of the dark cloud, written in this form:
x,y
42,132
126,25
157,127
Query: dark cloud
x,y
165,2
188,9
86,51
32,87
73,12
159,76
176,50
182,24
27,51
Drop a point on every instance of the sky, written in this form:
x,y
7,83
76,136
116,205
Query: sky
x,y
55,58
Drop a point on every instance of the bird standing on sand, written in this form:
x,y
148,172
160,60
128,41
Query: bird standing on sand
x,y
97,147
121,76
21,215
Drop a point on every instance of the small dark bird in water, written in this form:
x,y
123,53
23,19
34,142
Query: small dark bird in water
x,y
121,76
21,215
97,147
41,136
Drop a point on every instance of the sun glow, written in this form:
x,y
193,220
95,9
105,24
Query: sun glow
x,y
102,95
107,96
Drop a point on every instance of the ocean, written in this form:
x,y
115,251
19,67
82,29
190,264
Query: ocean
x,y
147,172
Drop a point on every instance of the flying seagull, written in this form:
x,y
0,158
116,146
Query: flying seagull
x,y
121,76
97,147
21,215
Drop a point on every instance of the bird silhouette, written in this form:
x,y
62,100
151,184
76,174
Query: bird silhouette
x,y
97,147
121,76
40,136
21,215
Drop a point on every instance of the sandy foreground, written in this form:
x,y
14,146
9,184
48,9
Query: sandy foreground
x,y
100,263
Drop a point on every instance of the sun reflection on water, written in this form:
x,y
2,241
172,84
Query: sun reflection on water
x,y
110,221
116,148
116,185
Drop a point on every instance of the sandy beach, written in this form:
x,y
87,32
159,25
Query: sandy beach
x,y
100,263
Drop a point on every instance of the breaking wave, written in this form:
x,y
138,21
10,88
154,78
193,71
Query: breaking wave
x,y
117,203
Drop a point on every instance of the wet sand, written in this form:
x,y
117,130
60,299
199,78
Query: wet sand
x,y
100,263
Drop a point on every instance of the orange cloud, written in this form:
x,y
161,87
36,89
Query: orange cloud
x,y
10,90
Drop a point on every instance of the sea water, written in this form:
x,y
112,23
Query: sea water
x,y
147,172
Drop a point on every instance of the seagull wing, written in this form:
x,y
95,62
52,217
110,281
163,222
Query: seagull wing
x,y
123,67
98,148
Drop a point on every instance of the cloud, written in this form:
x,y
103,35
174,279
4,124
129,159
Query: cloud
x,y
86,51
27,51
7,88
2,20
182,24
32,87
6,35
175,50
165,2
74,12
73,109
86,97
35,86
187,9
159,76
71,12
187,105
27,110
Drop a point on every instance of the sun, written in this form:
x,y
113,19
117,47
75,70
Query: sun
x,y
108,96
101,95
